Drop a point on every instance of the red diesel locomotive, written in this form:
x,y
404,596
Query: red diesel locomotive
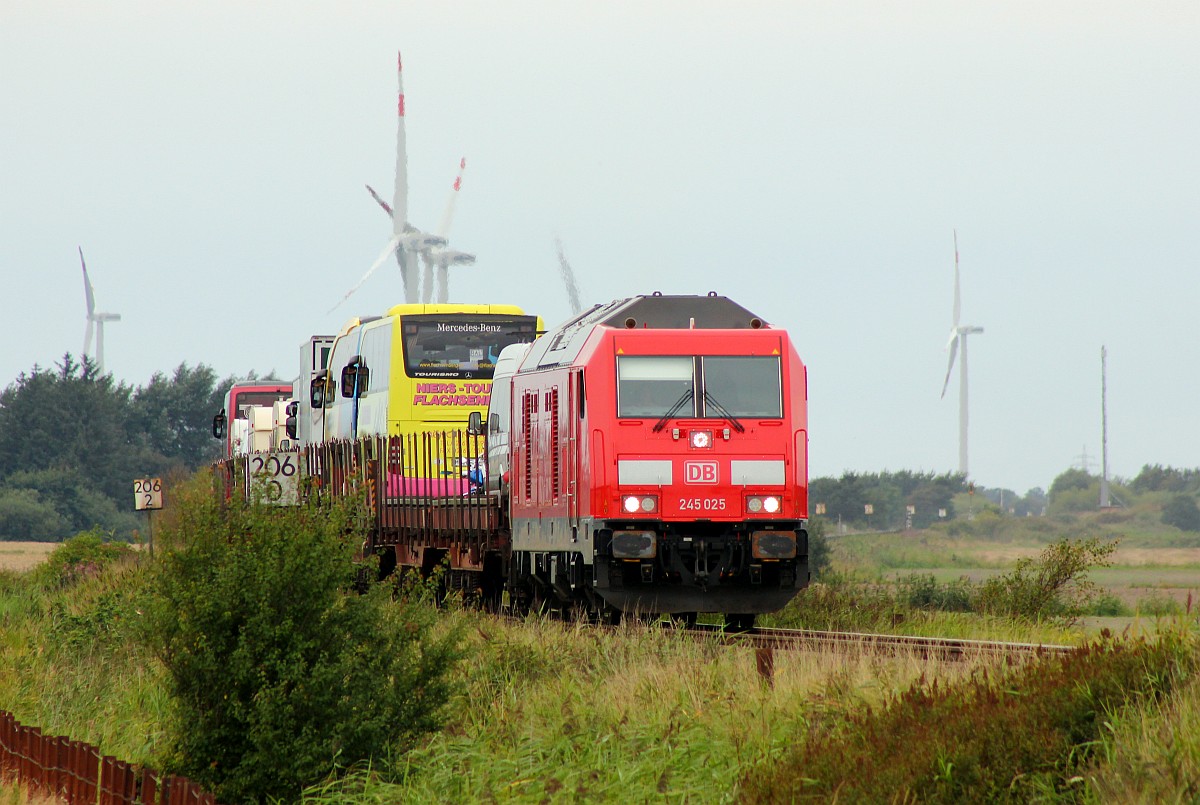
x,y
658,450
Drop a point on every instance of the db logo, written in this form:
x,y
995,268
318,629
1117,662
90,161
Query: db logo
x,y
699,472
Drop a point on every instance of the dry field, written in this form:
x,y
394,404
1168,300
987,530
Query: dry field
x,y
24,555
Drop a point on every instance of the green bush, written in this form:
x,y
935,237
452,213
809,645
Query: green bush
x,y
278,672
1107,605
838,602
83,555
1017,738
1055,585
25,515
923,591
1182,512
1159,604
818,548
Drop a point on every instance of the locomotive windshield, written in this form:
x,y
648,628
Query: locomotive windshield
x,y
730,386
653,385
461,346
743,386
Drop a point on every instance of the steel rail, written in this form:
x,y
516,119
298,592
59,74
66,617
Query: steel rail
x,y
940,647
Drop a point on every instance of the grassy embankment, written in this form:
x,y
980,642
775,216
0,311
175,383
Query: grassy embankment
x,y
565,712
1154,571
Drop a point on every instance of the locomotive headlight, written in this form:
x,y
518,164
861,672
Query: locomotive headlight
x,y
759,504
640,503
701,439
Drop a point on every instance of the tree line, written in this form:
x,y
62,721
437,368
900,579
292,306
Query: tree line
x,y
73,440
882,501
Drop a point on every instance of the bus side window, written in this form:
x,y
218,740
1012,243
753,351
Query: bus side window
x,y
355,378
318,390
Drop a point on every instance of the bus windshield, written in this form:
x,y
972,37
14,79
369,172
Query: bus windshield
x,y
463,345
246,399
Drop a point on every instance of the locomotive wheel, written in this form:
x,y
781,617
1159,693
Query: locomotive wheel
x,y
683,619
491,596
540,603
610,616
739,621
518,601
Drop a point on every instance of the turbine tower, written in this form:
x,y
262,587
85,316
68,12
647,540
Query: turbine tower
x,y
1105,502
958,334
95,321
407,241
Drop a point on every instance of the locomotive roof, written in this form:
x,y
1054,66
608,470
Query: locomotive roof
x,y
562,344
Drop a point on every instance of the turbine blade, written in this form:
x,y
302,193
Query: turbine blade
x,y
87,335
568,278
387,252
957,297
400,192
950,366
386,207
448,214
87,286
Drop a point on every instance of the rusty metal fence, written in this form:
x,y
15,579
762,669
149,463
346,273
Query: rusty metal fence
x,y
421,487
76,772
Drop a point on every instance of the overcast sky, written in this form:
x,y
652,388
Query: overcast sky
x,y
809,159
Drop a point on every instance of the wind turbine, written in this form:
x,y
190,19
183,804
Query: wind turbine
x,y
95,321
441,257
959,333
568,278
407,241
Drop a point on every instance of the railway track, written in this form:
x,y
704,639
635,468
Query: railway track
x,y
936,647
811,639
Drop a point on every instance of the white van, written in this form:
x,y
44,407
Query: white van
x,y
499,419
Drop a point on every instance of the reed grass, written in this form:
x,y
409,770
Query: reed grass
x,y
70,662
547,711
641,713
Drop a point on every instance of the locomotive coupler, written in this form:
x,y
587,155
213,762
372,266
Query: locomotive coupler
x,y
701,572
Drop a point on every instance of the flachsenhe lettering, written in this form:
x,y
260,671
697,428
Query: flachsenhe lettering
x,y
470,393
452,399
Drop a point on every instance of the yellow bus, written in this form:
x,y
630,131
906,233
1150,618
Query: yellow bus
x,y
417,368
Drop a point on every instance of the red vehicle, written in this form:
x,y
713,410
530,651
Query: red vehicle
x,y
649,456
659,461
231,423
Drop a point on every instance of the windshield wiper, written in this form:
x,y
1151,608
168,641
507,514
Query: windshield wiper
x,y
723,411
673,410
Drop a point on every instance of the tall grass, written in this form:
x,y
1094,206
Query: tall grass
x,y
644,713
1151,753
1011,735
69,659
549,711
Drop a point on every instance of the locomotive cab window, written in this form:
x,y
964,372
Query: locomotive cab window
x,y
653,385
741,386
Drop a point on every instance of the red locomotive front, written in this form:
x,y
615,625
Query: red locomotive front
x,y
660,461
